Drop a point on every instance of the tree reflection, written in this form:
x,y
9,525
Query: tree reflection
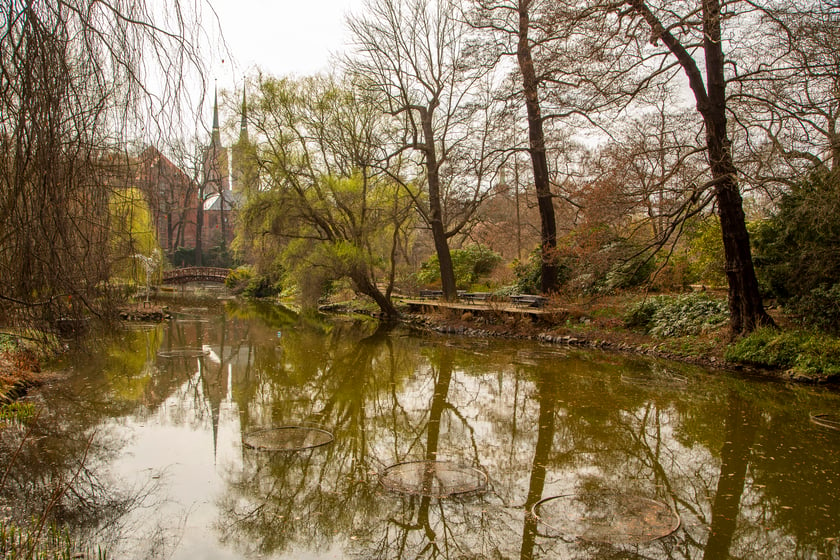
x,y
548,398
542,421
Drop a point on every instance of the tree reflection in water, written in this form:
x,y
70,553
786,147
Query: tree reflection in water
x,y
749,475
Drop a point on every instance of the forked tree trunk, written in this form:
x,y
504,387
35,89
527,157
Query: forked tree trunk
x,y
746,310
368,288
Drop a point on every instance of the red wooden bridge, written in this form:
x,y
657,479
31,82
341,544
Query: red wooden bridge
x,y
195,274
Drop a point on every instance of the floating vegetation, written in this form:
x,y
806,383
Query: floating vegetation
x,y
287,438
436,479
606,517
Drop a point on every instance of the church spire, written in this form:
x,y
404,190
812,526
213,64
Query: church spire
x,y
216,138
243,126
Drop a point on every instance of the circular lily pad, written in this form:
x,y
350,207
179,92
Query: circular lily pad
x,y
436,479
183,353
607,517
826,420
287,438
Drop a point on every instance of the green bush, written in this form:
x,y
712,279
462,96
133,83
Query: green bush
x,y
705,256
246,281
668,316
820,308
529,273
469,265
797,251
800,352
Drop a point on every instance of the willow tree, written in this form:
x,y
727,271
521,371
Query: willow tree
x,y
324,206
72,94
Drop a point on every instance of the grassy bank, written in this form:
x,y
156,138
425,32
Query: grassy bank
x,y
19,367
686,327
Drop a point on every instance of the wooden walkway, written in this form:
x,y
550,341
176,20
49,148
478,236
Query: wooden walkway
x,y
195,274
423,305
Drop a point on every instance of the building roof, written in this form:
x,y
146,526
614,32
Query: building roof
x,y
232,201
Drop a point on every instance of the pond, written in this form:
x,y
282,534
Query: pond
x,y
159,444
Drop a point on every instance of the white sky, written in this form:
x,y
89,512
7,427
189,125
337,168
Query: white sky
x,y
281,37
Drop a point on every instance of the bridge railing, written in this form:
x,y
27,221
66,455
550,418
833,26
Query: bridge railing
x,y
195,274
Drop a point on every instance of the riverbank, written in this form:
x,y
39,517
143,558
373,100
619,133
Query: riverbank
x,y
686,328
20,369
707,350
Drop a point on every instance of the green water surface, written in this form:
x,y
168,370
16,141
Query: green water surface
x,y
146,431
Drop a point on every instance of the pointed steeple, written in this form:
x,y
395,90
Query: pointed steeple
x,y
243,126
216,138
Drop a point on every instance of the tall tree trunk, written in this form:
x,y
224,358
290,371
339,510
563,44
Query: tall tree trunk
x,y
199,227
536,139
746,309
447,272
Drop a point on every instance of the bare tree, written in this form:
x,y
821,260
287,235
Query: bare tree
x,y
415,52
611,55
73,77
788,107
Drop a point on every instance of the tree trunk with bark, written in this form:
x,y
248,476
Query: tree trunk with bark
x,y
745,304
447,271
199,226
369,288
536,140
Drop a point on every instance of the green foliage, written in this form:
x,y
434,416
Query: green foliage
x,y
17,412
8,342
820,308
246,281
52,543
321,213
669,316
529,273
705,251
132,234
628,274
797,250
470,265
800,352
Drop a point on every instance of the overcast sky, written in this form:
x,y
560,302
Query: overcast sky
x,y
281,37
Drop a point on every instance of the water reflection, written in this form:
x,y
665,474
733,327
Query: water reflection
x,y
739,461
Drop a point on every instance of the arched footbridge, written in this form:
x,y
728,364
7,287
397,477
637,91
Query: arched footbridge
x,y
195,274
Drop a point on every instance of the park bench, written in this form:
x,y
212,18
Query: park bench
x,y
475,297
528,300
431,294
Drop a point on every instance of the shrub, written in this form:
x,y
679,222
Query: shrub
x,y
668,316
246,281
529,273
469,265
820,307
797,250
799,352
